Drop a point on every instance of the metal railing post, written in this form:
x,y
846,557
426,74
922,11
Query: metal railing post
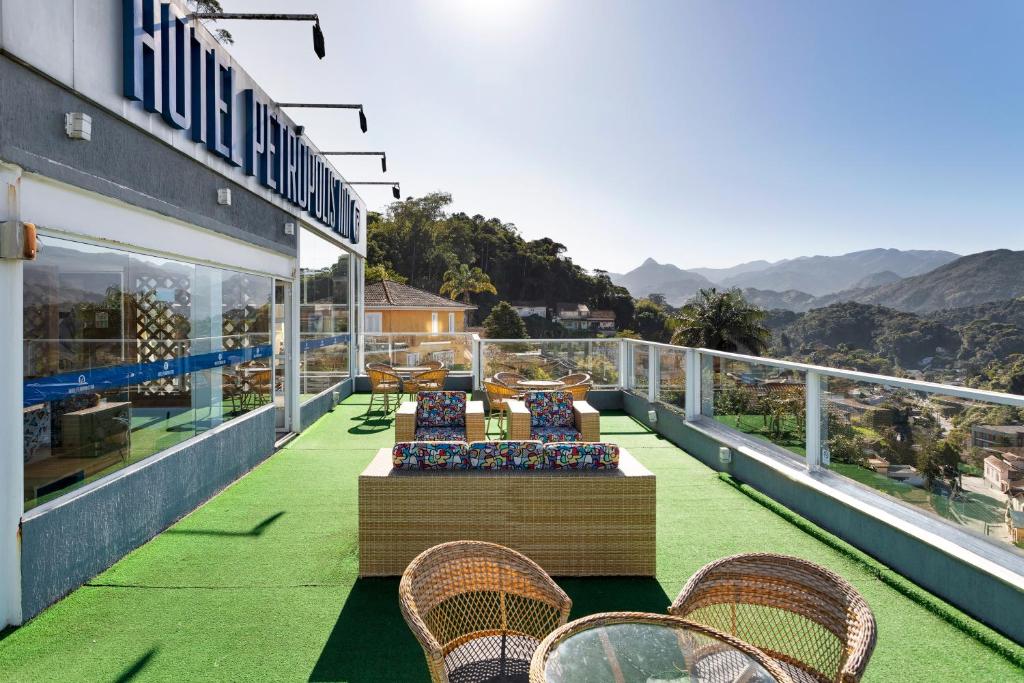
x,y
812,421
692,397
653,358
478,363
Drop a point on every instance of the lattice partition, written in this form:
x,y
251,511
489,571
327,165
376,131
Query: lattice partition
x,y
162,327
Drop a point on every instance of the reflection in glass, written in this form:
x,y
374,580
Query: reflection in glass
x,y
127,355
323,314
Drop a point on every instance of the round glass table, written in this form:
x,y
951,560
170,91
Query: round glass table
x,y
539,384
636,647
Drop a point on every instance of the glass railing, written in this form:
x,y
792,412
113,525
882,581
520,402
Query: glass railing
x,y
412,349
540,359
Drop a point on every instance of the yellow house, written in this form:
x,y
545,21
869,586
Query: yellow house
x,y
413,325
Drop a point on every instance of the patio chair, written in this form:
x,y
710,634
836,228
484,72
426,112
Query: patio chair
x,y
428,380
497,395
574,379
552,416
810,620
509,379
383,382
479,610
440,416
433,364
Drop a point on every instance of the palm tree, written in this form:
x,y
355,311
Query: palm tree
x,y
463,281
723,321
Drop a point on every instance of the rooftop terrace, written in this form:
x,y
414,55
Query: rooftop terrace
x,y
261,582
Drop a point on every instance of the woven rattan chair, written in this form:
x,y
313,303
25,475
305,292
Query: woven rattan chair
x,y
810,620
574,379
509,379
428,380
497,396
383,382
433,364
479,610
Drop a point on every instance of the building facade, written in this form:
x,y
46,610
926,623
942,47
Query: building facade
x,y
193,297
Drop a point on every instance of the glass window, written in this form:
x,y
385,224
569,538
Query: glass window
x,y
323,314
127,355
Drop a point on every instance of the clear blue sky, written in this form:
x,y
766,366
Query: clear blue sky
x,y
700,133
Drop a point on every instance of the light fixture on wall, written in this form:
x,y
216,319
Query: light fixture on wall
x,y
383,157
78,126
224,196
322,105
289,228
396,191
318,35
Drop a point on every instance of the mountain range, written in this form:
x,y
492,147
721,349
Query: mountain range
x,y
916,281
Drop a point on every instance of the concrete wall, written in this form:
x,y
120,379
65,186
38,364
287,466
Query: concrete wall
x,y
67,542
974,591
321,404
120,159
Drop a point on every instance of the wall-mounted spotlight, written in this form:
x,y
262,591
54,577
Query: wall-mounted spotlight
x,y
382,155
318,35
314,105
396,191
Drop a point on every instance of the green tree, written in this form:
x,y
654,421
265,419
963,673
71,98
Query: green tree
x,y
723,321
462,281
221,34
379,273
652,323
504,323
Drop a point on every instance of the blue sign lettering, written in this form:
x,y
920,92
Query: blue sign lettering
x,y
169,69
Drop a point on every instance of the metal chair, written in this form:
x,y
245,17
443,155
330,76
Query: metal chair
x,y
810,620
479,610
383,381
497,396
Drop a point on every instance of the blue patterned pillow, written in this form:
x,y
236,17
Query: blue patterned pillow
x,y
441,409
583,456
550,408
430,455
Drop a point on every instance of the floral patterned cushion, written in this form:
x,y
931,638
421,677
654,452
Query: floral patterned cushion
x,y
440,434
433,455
550,408
440,408
550,434
503,455
590,456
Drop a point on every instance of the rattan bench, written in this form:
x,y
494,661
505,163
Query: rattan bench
x,y
571,522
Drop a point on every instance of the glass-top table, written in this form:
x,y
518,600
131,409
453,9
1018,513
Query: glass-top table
x,y
635,647
540,384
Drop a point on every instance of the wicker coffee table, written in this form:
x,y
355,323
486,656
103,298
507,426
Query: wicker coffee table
x,y
637,647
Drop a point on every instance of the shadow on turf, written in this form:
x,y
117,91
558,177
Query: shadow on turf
x,y
371,642
132,671
255,532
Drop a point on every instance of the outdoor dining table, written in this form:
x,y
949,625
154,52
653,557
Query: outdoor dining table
x,y
408,370
540,384
637,647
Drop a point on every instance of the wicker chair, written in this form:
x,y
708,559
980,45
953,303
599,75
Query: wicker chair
x,y
509,379
383,381
428,380
574,379
552,416
479,610
810,620
433,364
497,396
580,391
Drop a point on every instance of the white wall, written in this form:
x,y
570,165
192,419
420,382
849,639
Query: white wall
x,y
11,440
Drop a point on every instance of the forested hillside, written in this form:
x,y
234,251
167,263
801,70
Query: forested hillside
x,y
420,240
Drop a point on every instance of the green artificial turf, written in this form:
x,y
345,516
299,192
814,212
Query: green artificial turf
x,y
260,583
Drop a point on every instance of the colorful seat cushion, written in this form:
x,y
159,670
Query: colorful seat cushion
x,y
432,455
440,408
504,455
550,434
445,433
590,456
550,408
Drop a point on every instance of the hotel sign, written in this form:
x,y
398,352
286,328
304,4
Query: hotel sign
x,y
174,74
